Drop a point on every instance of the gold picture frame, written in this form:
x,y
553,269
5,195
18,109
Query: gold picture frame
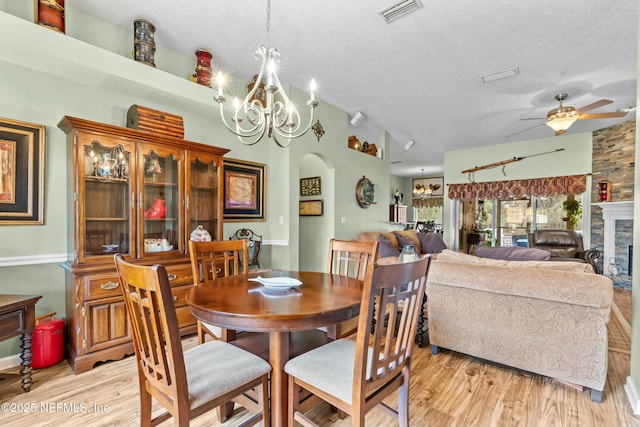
x,y
22,156
311,208
310,186
244,190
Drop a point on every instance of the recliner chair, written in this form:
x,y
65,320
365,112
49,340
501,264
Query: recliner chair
x,y
564,245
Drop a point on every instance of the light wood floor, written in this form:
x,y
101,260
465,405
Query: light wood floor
x,y
449,389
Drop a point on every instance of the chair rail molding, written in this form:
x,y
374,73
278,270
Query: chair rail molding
x,y
32,260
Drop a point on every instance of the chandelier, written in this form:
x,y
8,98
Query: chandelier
x,y
276,115
420,190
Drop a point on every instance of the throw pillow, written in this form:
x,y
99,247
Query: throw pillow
x,y
386,248
513,253
411,236
404,240
431,243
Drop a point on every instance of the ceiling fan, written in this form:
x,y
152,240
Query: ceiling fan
x,y
561,118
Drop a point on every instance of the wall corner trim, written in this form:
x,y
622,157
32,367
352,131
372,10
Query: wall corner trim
x,y
632,395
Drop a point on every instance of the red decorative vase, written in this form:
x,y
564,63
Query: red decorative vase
x,y
203,67
157,210
51,14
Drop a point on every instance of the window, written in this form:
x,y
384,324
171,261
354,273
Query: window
x,y
516,217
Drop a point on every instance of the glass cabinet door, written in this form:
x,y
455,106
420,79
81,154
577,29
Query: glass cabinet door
x,y
202,201
105,209
161,200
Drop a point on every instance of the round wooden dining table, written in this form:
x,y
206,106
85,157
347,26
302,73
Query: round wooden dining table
x,y
238,303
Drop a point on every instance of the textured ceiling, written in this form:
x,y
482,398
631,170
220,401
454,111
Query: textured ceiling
x,y
420,76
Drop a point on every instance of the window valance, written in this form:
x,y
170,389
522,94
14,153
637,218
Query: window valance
x,y
431,202
563,185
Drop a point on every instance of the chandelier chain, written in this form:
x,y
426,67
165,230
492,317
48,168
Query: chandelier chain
x,y
268,24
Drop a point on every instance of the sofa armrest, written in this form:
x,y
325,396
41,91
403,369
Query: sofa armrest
x,y
591,256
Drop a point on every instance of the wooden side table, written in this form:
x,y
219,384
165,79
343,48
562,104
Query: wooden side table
x,y
18,317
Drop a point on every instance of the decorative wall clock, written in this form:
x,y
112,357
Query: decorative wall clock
x,y
310,186
364,192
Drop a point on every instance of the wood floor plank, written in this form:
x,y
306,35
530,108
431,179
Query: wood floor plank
x,y
447,390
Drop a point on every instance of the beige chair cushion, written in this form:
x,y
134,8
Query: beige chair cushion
x,y
329,368
216,368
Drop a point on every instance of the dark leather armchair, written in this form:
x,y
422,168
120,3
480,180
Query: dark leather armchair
x,y
564,245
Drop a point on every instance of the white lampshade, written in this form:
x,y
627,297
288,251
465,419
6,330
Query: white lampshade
x,y
561,124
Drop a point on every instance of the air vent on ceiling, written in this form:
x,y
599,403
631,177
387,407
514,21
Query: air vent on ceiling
x,y
399,10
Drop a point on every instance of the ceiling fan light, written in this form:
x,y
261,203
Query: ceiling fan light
x,y
561,124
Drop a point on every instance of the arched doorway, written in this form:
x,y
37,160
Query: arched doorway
x,y
315,231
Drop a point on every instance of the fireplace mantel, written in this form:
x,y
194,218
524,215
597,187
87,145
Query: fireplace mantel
x,y
612,212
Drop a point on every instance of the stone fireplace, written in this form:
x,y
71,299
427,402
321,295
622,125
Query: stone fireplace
x,y
617,236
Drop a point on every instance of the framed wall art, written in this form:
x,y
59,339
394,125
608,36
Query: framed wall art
x,y
432,186
310,186
311,208
244,190
22,154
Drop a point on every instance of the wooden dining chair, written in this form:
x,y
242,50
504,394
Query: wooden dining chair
x,y
349,258
210,260
356,375
191,383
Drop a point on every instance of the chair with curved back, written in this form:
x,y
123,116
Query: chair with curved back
x,y
356,375
210,260
254,243
187,384
349,258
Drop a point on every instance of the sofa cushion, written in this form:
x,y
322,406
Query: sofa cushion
x,y
386,248
431,243
453,256
408,237
513,253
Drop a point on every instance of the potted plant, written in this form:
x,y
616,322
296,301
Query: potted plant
x,y
573,208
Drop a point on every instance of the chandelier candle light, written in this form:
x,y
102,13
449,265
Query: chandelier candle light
x,y
279,118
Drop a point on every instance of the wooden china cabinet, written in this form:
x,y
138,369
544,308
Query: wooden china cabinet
x,y
139,194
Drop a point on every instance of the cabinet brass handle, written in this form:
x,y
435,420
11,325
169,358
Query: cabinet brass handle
x,y
109,285
172,276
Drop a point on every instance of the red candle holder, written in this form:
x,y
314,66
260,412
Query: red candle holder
x,y
604,191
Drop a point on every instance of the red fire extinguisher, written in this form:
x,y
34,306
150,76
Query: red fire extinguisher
x,y
48,341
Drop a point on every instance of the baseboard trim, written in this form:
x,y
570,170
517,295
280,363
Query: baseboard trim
x,y
32,259
632,395
9,362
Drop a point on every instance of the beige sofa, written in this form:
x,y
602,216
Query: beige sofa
x,y
546,317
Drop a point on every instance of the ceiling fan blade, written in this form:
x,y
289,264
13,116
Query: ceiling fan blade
x,y
533,118
524,130
593,106
602,115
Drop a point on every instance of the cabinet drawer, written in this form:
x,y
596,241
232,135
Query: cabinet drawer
x,y
180,295
12,324
185,318
103,286
180,274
